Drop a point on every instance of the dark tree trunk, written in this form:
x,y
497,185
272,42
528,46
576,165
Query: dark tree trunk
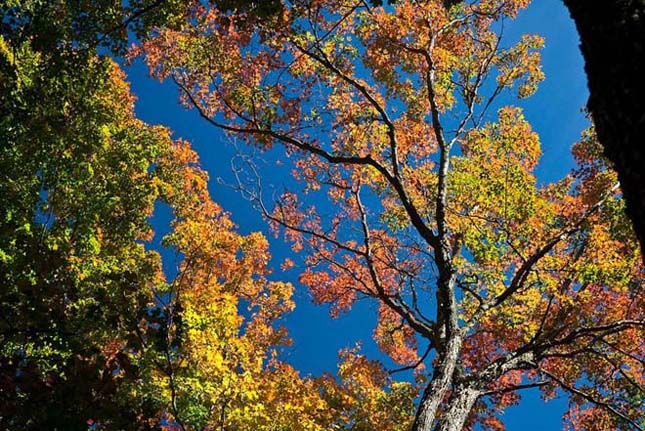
x,y
612,36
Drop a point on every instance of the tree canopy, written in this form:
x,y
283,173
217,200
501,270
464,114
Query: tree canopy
x,y
436,214
93,332
409,191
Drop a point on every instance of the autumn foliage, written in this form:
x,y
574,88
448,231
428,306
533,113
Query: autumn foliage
x,y
411,192
413,187
93,332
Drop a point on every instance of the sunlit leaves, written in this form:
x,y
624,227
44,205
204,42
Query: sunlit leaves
x,y
78,185
494,188
365,397
407,191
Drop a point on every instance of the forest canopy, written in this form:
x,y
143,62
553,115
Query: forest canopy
x,y
413,188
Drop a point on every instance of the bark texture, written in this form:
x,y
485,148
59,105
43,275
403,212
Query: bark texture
x,y
459,407
434,393
612,41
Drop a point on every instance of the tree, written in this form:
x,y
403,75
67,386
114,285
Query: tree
x,y
78,28
614,65
216,362
432,210
76,282
80,319
611,41
93,332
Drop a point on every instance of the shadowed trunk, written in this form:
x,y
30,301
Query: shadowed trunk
x,y
612,36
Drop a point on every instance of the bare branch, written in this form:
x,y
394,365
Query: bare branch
x,y
136,14
258,199
516,388
593,331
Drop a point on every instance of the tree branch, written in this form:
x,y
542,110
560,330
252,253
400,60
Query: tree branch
x,y
395,303
415,217
415,365
591,399
136,14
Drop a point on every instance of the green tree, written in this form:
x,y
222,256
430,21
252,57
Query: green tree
x,y
92,333
77,187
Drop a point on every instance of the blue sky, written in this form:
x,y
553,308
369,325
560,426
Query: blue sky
x,y
554,112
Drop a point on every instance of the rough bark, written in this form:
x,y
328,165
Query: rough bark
x,y
459,406
435,392
612,41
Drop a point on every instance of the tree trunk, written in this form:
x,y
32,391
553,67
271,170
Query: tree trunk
x,y
461,403
612,36
435,392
